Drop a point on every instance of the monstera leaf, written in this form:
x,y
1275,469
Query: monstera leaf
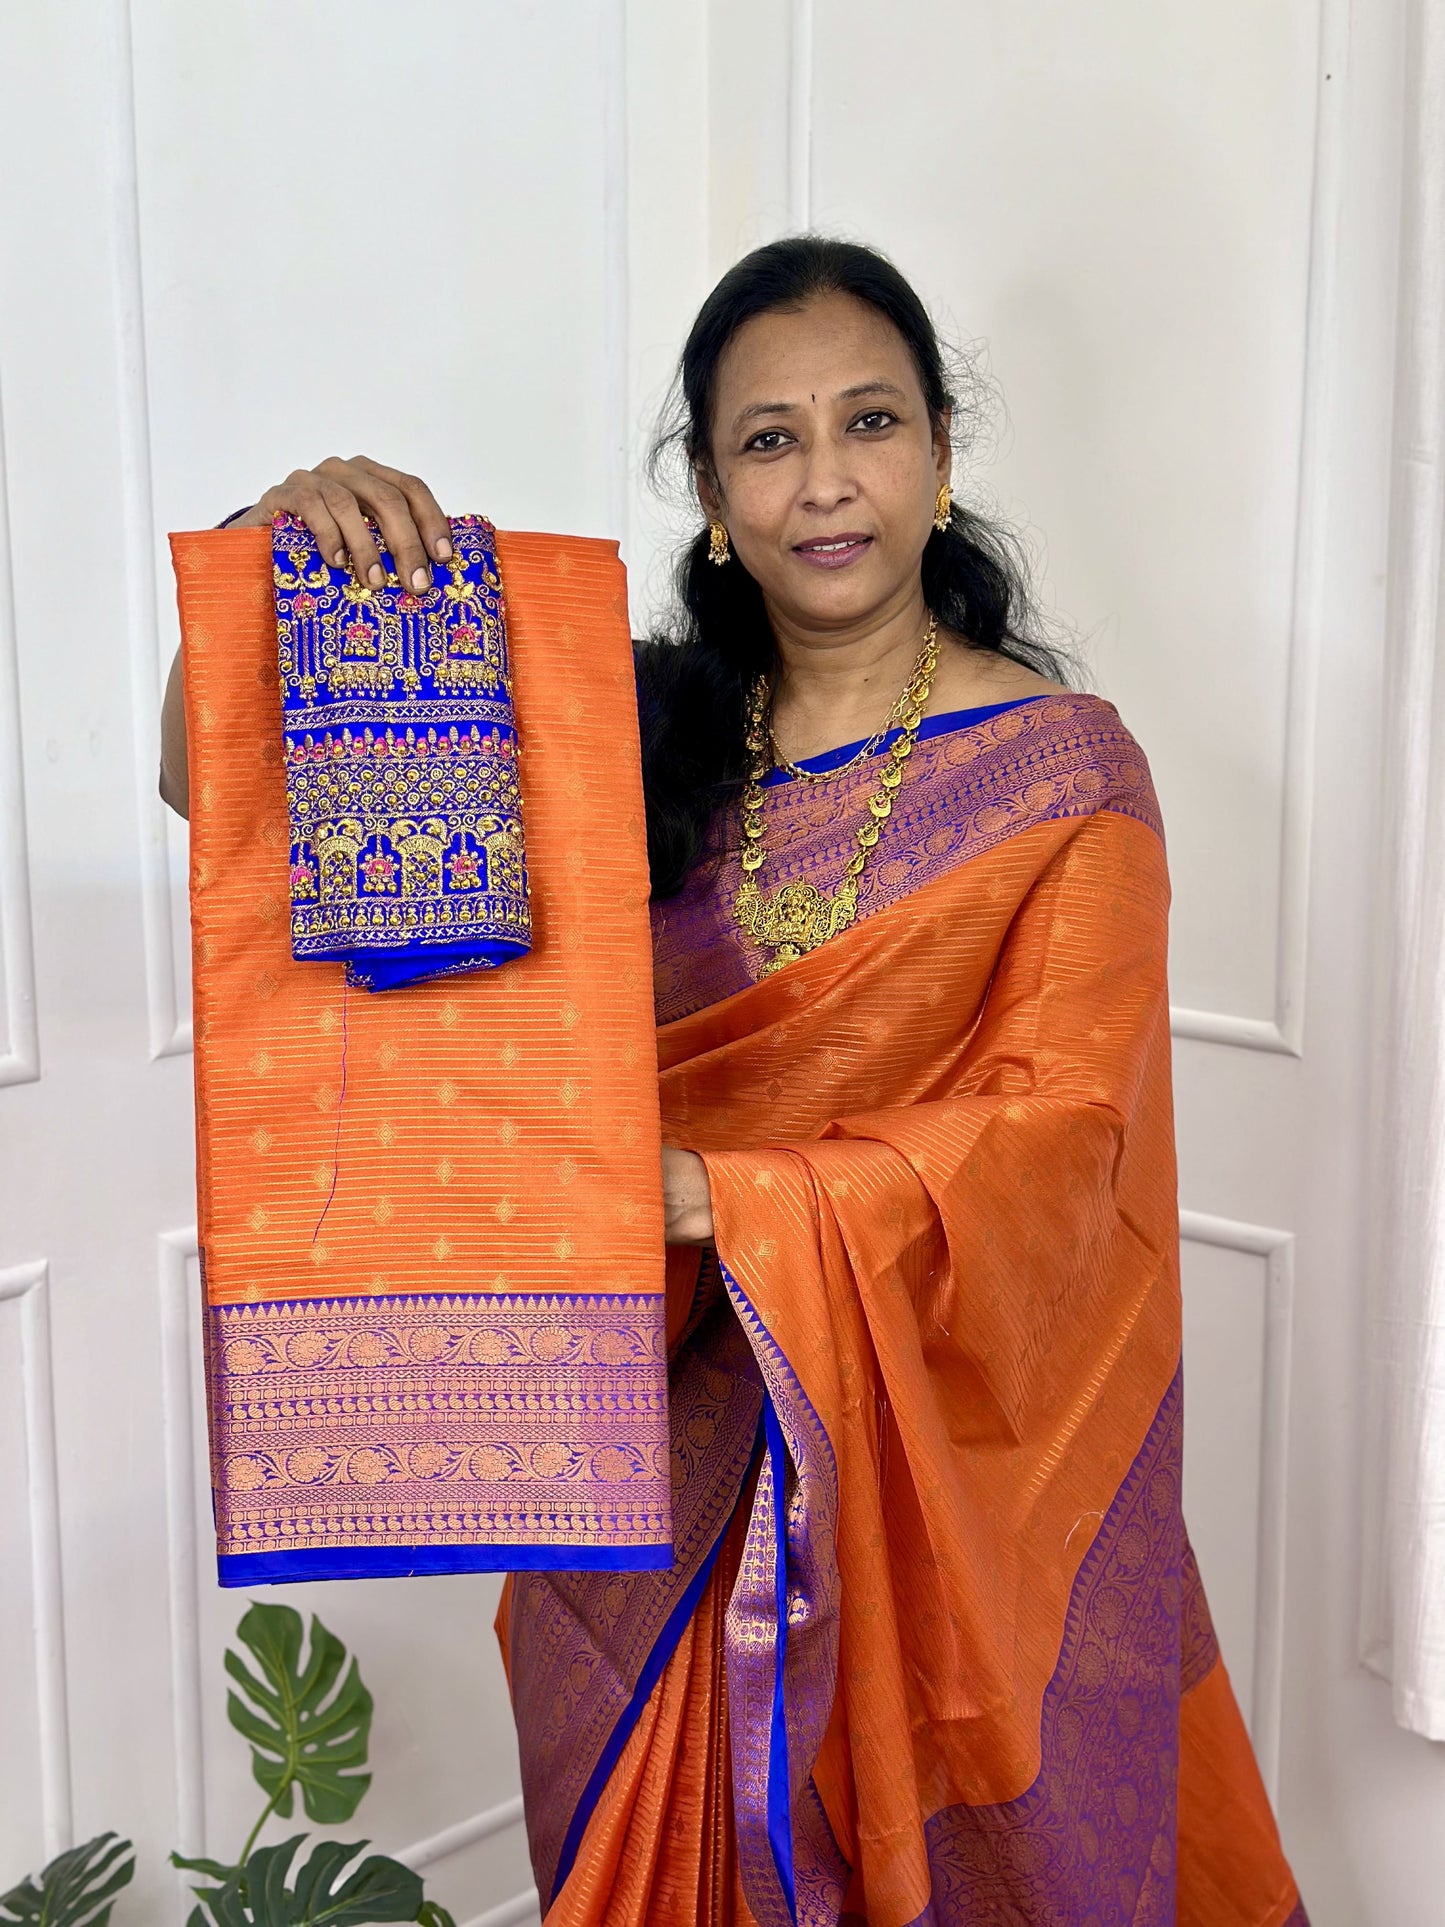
x,y
305,1729
308,1718
257,1894
77,1889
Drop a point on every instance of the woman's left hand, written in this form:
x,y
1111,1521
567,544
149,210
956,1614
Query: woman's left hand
x,y
686,1198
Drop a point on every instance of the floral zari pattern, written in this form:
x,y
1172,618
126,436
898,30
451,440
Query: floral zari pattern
x,y
965,792
407,854
482,1420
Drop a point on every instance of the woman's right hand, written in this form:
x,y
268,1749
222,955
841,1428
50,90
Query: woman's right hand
x,y
334,498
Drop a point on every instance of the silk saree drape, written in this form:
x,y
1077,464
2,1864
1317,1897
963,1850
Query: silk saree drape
x,y
933,1648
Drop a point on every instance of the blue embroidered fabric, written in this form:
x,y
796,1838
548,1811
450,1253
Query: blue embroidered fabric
x,y
407,854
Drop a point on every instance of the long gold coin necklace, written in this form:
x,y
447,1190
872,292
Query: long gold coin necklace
x,y
797,917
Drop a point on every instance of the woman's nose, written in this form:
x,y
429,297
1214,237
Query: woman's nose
x,y
828,480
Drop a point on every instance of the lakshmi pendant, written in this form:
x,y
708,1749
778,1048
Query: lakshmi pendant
x,y
794,918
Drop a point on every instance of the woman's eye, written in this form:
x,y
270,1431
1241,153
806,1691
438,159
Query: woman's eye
x,y
769,440
875,419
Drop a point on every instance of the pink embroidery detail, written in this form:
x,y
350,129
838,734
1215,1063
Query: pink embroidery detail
x,y
464,870
378,873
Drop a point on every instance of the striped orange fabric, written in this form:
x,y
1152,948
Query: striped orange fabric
x,y
942,1166
976,1286
448,1193
661,1846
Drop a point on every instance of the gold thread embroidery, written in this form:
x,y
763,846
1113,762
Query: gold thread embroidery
x,y
401,771
365,1421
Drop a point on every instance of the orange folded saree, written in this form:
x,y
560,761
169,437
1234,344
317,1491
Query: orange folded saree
x,y
933,1648
430,1217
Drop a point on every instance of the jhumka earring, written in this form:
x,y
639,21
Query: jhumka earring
x,y
942,506
717,544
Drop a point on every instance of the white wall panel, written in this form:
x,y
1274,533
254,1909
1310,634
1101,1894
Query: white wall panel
x,y
1238,1332
35,1767
368,233
19,1040
162,878
669,264
752,111
1223,1400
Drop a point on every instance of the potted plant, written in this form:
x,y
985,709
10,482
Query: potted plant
x,y
307,1716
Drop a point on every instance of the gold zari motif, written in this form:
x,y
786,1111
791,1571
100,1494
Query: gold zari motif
x,y
474,1418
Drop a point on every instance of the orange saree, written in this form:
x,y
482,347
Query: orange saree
x,y
933,1648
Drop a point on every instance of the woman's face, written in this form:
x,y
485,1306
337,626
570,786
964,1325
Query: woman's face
x,y
827,465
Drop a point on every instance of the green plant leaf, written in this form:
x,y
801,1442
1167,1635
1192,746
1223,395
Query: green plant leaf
x,y
76,1889
305,1730
432,1914
213,1869
324,1894
218,1908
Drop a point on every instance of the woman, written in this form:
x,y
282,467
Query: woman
x,y
933,1647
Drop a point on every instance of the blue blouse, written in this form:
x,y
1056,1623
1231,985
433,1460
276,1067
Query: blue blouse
x,y
940,725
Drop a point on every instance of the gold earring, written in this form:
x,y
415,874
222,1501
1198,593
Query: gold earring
x,y
717,544
942,506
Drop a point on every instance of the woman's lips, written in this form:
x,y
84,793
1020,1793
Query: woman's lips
x,y
833,551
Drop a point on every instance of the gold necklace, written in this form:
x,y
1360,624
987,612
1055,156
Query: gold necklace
x,y
839,769
797,917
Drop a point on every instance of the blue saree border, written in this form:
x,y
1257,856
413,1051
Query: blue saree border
x,y
417,1562
780,1817
785,1830
662,1651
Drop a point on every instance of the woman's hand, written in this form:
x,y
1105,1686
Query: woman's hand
x,y
686,1198
334,498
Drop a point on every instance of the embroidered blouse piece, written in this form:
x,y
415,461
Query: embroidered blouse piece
x,y
407,856
430,1222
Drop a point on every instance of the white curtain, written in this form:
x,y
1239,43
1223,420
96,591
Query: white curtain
x,y
1409,1301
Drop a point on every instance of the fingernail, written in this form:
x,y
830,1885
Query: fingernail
x,y
376,575
444,548
420,579
338,558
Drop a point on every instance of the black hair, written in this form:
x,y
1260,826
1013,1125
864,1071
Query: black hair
x,y
694,678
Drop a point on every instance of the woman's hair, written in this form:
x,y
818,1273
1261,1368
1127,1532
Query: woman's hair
x,y
694,677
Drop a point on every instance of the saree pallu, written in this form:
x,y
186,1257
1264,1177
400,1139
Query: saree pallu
x,y
430,1218
934,1649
